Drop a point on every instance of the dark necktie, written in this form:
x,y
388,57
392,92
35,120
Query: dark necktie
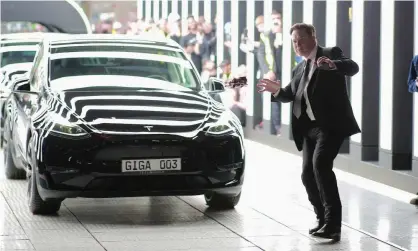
x,y
297,103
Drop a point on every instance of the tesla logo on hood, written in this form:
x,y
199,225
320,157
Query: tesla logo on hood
x,y
149,127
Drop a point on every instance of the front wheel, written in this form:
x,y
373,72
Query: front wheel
x,y
221,201
36,204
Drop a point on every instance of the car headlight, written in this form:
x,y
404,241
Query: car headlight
x,y
72,130
222,127
62,126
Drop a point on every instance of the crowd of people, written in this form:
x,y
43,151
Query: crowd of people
x,y
197,36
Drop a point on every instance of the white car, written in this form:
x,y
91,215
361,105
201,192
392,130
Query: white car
x,y
21,47
8,76
11,72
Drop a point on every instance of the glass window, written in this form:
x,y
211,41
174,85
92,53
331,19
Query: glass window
x,y
104,46
7,43
166,65
14,57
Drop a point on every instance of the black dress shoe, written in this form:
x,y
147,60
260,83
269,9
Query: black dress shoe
x,y
329,232
319,225
414,201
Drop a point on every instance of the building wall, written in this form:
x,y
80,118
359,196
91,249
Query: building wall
x,y
379,36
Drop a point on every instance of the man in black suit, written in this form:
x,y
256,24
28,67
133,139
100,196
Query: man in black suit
x,y
322,118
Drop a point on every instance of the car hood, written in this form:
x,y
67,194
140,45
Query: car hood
x,y
141,112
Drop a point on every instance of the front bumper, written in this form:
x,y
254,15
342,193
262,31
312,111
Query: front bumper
x,y
135,186
92,167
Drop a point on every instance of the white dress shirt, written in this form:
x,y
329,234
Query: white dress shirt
x,y
312,57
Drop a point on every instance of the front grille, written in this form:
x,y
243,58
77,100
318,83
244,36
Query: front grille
x,y
111,156
105,156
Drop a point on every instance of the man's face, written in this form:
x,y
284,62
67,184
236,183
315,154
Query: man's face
x,y
277,26
189,48
226,69
211,68
210,65
163,25
276,17
260,27
191,23
202,19
303,44
207,28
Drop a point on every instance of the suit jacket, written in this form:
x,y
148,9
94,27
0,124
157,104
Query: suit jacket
x,y
327,94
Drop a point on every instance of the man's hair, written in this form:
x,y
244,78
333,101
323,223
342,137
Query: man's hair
x,y
275,12
259,20
309,28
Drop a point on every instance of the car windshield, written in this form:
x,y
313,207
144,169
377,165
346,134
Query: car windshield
x,y
164,64
14,57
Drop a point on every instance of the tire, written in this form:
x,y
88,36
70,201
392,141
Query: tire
x,y
221,201
36,204
12,172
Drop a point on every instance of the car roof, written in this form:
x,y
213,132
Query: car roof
x,y
30,35
22,36
26,38
116,38
17,66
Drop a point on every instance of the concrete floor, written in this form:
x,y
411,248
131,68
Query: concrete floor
x,y
274,214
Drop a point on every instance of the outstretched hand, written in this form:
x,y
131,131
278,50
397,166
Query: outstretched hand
x,y
268,85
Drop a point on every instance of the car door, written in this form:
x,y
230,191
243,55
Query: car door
x,y
26,105
26,100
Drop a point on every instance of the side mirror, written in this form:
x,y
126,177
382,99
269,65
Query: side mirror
x,y
216,85
21,85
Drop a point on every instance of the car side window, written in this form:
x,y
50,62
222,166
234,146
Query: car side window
x,y
37,69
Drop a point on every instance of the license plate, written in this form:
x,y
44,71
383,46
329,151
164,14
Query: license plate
x,y
151,165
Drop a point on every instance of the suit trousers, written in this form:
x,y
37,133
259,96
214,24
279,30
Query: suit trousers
x,y
320,147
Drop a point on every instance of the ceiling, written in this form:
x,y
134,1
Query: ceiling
x,y
58,16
